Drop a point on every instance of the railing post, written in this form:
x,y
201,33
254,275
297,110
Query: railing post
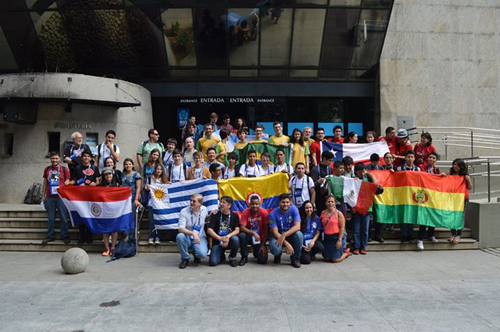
x,y
472,143
446,147
489,184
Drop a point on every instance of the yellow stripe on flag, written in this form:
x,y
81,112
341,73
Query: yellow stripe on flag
x,y
421,197
268,186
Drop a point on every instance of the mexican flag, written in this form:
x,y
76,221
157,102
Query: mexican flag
x,y
420,198
357,193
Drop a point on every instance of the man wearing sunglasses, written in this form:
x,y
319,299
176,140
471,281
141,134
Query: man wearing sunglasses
x,y
147,146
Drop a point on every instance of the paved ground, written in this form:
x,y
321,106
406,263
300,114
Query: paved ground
x,y
388,291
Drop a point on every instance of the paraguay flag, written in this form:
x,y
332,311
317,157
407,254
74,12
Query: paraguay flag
x,y
167,200
358,152
268,188
102,209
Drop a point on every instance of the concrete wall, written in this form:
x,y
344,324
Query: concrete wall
x,y
482,219
29,157
440,63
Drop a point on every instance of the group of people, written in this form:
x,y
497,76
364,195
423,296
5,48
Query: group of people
x,y
207,156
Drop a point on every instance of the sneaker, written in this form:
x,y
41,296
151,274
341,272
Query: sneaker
x,y
433,239
362,252
295,263
232,262
66,240
420,245
151,241
47,240
197,260
277,259
106,252
379,240
355,252
184,263
243,261
157,240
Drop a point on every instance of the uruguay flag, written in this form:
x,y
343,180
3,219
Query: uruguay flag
x,y
358,152
102,209
167,200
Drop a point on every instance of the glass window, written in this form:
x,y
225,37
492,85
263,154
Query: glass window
x,y
307,36
304,73
311,2
213,73
179,41
335,3
357,127
275,43
273,73
243,30
8,61
243,73
183,73
211,34
370,34
300,125
330,110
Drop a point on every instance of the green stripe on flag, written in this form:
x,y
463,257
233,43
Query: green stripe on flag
x,y
336,186
261,148
420,215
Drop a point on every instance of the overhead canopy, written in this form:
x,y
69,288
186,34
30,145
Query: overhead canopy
x,y
158,40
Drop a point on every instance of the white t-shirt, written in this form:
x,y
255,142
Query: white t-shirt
x,y
177,173
251,172
278,168
105,153
300,189
269,170
229,173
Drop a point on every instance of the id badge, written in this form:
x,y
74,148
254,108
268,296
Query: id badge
x,y
322,236
298,196
254,242
196,230
53,190
306,242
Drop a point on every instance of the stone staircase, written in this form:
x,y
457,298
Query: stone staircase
x,y
22,228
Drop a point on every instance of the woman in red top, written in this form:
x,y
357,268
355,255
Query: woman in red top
x,y
458,168
334,239
423,149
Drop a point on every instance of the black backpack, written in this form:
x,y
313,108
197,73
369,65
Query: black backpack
x,y
34,194
124,249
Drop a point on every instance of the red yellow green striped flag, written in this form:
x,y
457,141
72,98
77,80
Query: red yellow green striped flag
x,y
420,198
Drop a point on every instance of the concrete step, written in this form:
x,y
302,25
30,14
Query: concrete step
x,y
39,234
97,246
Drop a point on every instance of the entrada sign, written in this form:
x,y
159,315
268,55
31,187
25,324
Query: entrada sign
x,y
67,125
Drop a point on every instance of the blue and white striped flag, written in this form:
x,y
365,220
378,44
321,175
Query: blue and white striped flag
x,y
167,200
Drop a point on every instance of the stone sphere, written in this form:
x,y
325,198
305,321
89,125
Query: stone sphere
x,y
74,261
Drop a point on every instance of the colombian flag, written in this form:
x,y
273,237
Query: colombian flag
x,y
268,188
420,198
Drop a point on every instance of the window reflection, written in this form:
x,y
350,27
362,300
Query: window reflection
x,y
276,37
211,34
243,30
179,37
345,3
307,36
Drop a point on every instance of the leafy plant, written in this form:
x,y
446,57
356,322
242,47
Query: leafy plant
x,y
176,27
183,39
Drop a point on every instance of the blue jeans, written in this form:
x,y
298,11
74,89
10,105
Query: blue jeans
x,y
360,229
53,203
295,240
218,251
246,240
185,242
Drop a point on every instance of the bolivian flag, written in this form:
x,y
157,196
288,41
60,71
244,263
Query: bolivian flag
x,y
420,198
268,188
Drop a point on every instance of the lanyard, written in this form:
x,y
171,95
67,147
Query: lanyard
x,y
198,223
294,183
73,148
181,171
309,225
226,173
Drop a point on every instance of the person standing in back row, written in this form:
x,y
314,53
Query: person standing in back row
x,y
147,146
73,153
107,149
54,177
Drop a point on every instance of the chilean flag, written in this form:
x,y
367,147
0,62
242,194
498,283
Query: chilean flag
x,y
358,152
102,209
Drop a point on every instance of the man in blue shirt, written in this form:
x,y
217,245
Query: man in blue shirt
x,y
284,225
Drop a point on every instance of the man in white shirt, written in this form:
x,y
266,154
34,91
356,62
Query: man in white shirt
x,y
251,170
281,166
192,231
301,186
212,159
107,149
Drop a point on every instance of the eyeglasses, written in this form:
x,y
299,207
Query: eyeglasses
x,y
156,134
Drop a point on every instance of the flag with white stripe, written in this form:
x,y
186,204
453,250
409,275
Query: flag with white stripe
x,y
103,209
358,152
167,200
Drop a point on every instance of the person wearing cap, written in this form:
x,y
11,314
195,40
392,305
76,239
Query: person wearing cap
x,y
402,146
108,180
